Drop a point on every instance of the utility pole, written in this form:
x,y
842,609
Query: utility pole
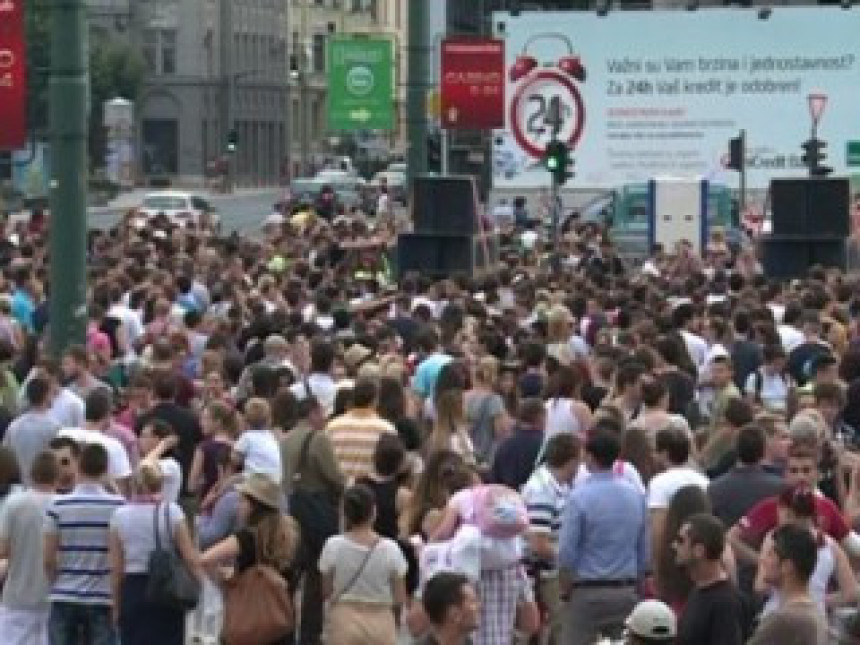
x,y
228,103
68,186
742,186
418,70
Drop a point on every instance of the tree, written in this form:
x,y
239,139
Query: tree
x,y
116,70
38,27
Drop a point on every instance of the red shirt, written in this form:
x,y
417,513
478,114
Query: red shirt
x,y
763,518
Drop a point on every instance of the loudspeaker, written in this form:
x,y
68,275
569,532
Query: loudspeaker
x,y
438,255
789,205
786,256
811,206
829,207
445,205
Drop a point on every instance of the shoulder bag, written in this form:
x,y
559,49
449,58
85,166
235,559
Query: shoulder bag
x,y
170,582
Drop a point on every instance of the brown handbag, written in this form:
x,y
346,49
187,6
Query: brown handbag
x,y
258,607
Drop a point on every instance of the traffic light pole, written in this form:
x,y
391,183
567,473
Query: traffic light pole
x,y
742,185
555,213
416,100
68,185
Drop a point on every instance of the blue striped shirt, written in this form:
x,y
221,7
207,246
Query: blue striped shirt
x,y
81,520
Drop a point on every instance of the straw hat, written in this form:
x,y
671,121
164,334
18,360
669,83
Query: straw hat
x,y
262,489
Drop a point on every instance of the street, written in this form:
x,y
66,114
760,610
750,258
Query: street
x,y
242,211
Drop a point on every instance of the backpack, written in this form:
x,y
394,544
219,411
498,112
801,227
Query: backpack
x,y
500,511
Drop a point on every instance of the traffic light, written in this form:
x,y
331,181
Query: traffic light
x,y
736,154
557,160
232,140
434,152
813,156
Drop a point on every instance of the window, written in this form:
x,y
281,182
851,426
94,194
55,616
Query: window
x,y
372,8
318,53
357,5
168,51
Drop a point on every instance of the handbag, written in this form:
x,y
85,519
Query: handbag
x,y
315,511
258,607
170,583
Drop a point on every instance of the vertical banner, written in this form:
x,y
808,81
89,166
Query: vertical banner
x,y
473,83
13,77
360,83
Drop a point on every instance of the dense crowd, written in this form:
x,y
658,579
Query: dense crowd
x,y
270,440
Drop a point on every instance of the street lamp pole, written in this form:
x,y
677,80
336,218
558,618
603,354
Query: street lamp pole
x,y
68,126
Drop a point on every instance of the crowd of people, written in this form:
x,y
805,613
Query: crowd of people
x,y
571,449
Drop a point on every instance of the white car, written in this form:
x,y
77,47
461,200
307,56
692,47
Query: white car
x,y
180,208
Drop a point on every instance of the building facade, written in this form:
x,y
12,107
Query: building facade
x,y
312,22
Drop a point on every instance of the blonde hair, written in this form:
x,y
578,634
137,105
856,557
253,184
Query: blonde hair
x,y
450,414
257,413
487,370
149,478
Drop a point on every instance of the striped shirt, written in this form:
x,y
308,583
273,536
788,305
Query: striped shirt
x,y
545,499
81,520
353,437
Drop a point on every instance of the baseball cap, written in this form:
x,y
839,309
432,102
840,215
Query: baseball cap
x,y
652,619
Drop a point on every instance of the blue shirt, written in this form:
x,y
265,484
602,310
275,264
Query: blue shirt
x,y
424,381
604,531
23,308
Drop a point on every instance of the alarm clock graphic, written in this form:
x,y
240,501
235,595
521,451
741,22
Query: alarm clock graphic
x,y
546,102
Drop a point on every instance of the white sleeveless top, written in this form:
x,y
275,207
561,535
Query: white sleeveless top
x,y
825,568
560,418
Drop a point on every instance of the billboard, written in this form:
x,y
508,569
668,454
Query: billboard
x,y
660,93
13,77
473,83
360,83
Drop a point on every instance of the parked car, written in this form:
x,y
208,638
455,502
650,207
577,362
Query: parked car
x,y
180,208
301,194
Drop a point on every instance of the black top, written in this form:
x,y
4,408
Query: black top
x,y
516,456
714,615
187,428
385,494
800,360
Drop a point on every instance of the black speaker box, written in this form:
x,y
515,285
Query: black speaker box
x,y
810,206
445,205
438,255
786,256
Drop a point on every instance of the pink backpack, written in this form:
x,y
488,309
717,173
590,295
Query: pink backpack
x,y
499,511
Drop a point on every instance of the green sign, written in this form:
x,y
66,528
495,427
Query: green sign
x,y
853,153
360,83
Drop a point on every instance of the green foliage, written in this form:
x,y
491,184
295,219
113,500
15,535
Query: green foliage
x,y
116,70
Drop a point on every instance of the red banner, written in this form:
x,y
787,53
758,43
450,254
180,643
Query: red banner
x,y
473,83
13,76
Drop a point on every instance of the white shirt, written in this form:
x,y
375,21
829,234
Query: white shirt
x,y
68,409
662,487
130,321
774,389
696,346
119,466
790,336
260,452
322,386
171,485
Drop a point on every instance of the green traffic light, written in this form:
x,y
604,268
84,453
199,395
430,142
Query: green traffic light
x,y
552,163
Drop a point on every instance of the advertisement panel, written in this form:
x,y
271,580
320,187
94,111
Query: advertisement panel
x,y
660,93
13,77
473,83
360,83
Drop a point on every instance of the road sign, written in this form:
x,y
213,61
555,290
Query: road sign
x,y
853,154
360,83
13,76
473,83
547,105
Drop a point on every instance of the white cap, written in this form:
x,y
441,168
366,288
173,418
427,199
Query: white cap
x,y
652,619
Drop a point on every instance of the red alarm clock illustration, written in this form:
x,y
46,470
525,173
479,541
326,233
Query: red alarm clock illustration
x,y
546,103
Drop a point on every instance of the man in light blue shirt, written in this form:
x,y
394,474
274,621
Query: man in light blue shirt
x,y
603,543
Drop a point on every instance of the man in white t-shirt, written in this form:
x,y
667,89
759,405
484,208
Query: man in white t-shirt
x,y
672,454
94,431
